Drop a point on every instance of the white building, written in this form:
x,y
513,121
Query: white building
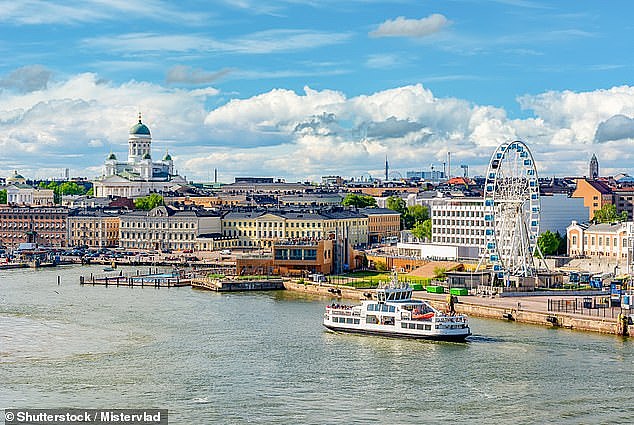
x,y
139,175
457,221
607,241
166,228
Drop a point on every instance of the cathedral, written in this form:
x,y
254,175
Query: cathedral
x,y
139,175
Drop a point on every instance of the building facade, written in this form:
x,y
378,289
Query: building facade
x,y
165,228
595,194
383,224
95,228
607,241
45,226
458,221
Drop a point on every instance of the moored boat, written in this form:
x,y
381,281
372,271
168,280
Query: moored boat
x,y
395,313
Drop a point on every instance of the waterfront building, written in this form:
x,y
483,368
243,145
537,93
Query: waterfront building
x,y
93,227
44,225
166,227
139,175
290,258
607,241
383,224
595,194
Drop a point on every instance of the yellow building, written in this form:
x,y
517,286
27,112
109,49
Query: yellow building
x,y
606,240
95,228
595,194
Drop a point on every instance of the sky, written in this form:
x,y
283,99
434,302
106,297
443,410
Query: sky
x,y
300,89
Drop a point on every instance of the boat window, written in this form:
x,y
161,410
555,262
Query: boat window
x,y
419,326
427,327
335,319
349,320
357,321
412,325
384,307
371,320
392,309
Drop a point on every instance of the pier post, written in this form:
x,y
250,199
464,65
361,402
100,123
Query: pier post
x,y
59,278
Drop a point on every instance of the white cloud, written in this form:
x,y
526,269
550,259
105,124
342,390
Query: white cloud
x,y
263,42
188,75
403,27
70,12
76,122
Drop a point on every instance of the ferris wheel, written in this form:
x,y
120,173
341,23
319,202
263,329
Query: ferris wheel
x,y
511,210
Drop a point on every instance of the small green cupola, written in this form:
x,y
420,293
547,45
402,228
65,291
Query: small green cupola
x,y
147,156
167,156
112,157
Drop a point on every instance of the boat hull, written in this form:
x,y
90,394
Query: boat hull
x,y
435,337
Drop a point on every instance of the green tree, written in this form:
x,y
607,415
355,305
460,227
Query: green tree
x,y
3,196
358,201
608,214
414,215
148,202
548,242
396,203
422,229
563,244
91,192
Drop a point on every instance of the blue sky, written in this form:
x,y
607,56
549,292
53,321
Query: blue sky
x,y
304,88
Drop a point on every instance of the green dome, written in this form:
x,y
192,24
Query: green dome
x,y
112,156
167,157
140,128
147,156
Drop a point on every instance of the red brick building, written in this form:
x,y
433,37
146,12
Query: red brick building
x,y
45,226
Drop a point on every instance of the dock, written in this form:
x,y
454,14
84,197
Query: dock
x,y
151,279
233,285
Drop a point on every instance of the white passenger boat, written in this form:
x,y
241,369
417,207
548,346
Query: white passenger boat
x,y
395,313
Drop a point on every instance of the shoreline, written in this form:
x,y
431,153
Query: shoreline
x,y
530,310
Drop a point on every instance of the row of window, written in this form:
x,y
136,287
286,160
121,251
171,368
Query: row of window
x,y
155,225
27,225
600,239
158,236
270,224
419,326
348,320
461,213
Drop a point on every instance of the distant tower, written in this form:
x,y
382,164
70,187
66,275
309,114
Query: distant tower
x,y
215,175
594,167
387,168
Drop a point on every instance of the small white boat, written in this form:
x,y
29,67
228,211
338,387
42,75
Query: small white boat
x,y
395,313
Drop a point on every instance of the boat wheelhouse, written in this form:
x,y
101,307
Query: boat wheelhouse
x,y
395,313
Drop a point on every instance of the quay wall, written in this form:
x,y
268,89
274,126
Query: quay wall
x,y
478,309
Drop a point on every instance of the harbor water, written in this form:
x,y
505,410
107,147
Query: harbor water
x,y
265,358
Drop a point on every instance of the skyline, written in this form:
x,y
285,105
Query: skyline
x,y
297,89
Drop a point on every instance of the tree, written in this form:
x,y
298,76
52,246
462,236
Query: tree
x,y
414,215
608,214
548,242
358,201
3,196
396,204
148,202
422,229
